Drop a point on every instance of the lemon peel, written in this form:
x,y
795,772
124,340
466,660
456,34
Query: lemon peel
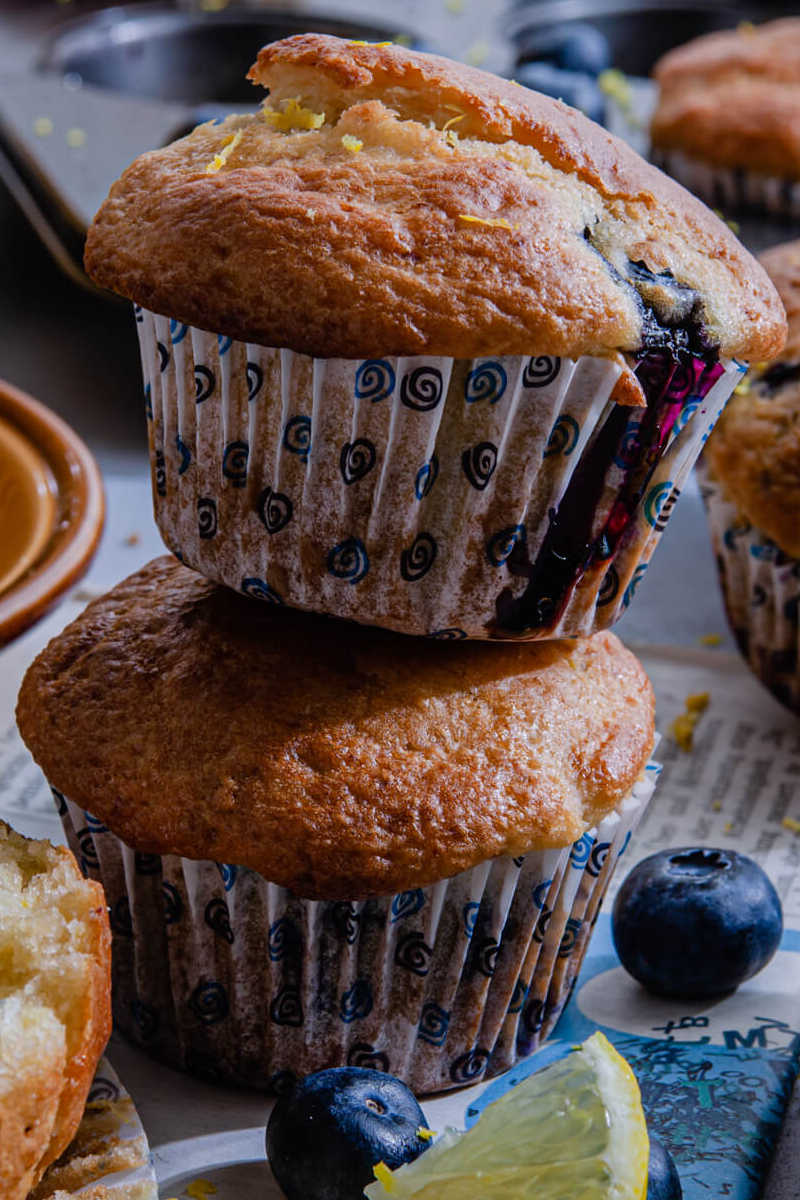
x,y
574,1128
351,143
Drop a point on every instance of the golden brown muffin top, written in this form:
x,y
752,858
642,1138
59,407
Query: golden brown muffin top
x,y
337,760
733,99
755,449
394,203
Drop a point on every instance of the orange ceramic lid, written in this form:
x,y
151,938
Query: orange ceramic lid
x,y
51,509
27,504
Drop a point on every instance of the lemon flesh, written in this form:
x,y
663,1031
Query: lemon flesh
x,y
572,1131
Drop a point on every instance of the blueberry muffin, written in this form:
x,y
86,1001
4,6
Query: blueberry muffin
x,y
324,844
465,344
752,488
727,122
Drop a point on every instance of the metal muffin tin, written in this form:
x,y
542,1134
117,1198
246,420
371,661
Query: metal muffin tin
x,y
639,31
188,57
127,79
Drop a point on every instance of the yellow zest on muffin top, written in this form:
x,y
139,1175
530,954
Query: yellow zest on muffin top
x,y
380,272
292,116
228,147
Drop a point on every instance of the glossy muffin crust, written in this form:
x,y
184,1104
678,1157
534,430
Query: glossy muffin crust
x,y
338,761
732,99
755,449
394,203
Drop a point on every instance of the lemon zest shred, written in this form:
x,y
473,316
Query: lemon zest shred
x,y
353,144
452,138
222,155
356,42
383,1176
199,1189
711,639
292,117
682,728
477,53
728,827
453,121
427,1135
492,222
792,824
614,83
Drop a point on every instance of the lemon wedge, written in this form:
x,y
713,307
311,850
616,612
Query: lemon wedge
x,y
573,1131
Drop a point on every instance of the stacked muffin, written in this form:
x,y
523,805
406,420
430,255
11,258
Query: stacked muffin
x,y
466,348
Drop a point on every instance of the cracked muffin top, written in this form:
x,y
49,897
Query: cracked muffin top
x,y
755,449
337,760
732,99
386,202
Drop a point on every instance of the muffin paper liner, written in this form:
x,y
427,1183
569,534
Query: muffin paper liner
x,y
218,972
487,498
731,187
761,589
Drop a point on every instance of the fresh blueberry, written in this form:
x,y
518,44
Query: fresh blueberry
x,y
573,47
324,1138
663,1181
696,922
573,87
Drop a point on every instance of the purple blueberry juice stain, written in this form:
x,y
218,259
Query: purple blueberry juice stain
x,y
676,362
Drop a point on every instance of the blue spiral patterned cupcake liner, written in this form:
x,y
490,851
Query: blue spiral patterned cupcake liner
x,y
731,188
218,972
761,589
425,495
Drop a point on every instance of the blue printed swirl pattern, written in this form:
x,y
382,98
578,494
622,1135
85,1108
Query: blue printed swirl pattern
x,y
348,560
486,382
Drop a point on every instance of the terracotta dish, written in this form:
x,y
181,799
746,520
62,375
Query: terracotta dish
x,y
51,509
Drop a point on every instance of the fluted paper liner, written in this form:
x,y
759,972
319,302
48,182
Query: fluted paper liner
x,y
731,187
426,495
761,590
218,972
